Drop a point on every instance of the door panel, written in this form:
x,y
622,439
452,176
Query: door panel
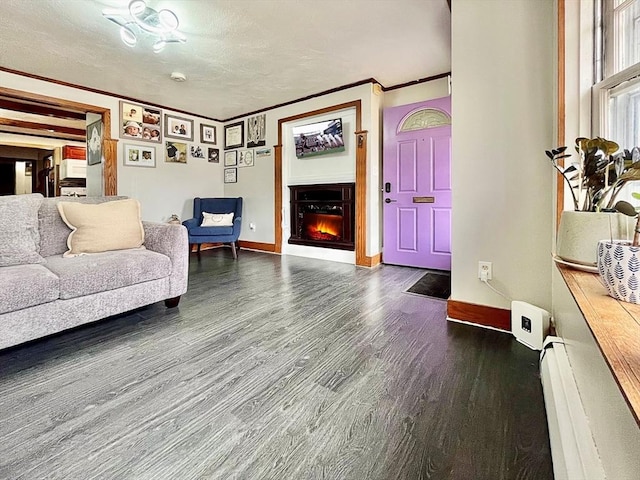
x,y
417,163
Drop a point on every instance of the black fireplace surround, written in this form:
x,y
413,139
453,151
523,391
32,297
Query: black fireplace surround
x,y
322,215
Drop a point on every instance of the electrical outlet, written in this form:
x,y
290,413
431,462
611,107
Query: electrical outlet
x,y
484,270
252,226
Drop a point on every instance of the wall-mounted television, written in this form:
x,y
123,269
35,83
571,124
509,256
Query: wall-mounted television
x,y
319,138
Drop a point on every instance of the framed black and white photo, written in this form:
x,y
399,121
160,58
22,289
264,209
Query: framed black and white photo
x,y
207,134
257,131
140,123
245,158
231,159
175,152
234,135
196,151
178,127
139,156
213,155
94,143
230,175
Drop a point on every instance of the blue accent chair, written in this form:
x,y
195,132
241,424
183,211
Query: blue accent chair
x,y
229,235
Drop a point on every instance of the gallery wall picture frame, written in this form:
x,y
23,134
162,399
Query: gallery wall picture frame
x,y
213,155
262,152
231,158
175,152
178,127
139,156
196,151
245,158
140,123
94,142
257,131
207,134
234,135
230,175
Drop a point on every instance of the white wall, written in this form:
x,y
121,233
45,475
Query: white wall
x,y
416,93
502,121
162,191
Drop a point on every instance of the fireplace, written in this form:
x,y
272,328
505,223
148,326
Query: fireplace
x,y
323,215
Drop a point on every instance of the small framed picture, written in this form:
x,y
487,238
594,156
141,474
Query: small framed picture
x,y
94,143
262,152
196,151
178,127
245,158
207,134
213,155
256,131
139,156
230,175
175,152
140,123
231,159
234,135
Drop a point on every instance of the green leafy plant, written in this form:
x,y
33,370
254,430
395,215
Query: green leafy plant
x,y
596,180
627,209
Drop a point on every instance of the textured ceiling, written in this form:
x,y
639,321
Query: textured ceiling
x,y
241,55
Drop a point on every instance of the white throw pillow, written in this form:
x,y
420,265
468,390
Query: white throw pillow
x,y
217,219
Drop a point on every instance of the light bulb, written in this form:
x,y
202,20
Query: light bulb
x,y
128,36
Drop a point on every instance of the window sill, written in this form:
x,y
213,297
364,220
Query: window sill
x,y
615,327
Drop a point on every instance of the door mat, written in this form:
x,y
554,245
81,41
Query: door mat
x,y
436,285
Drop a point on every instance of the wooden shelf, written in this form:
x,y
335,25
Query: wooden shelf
x,y
615,326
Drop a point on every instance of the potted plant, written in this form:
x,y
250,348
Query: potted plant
x,y
594,182
619,260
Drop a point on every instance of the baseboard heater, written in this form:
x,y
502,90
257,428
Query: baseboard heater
x,y
573,450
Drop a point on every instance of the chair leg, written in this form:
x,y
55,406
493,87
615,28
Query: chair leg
x,y
199,245
233,250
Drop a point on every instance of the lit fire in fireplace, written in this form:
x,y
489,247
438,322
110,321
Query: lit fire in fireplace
x,y
320,226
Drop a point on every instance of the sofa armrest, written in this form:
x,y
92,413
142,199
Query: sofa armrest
x,y
191,223
170,240
237,225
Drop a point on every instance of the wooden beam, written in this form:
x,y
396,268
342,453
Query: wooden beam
x,y
361,199
7,122
47,111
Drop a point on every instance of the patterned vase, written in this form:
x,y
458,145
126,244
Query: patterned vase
x,y
619,268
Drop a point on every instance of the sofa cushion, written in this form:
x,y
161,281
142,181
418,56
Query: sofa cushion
x,y
53,231
103,227
208,231
87,274
19,236
23,286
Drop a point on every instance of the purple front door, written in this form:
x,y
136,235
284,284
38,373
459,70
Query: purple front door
x,y
417,184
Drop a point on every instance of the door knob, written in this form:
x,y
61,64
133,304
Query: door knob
x,y
388,200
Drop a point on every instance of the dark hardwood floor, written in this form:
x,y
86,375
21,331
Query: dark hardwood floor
x,y
276,368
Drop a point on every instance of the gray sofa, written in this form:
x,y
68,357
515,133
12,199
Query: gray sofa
x,y
53,293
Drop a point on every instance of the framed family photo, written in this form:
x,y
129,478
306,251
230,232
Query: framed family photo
x,y
139,156
140,123
207,134
234,135
196,151
175,152
178,127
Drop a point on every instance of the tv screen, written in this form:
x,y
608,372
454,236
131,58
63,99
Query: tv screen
x,y
319,138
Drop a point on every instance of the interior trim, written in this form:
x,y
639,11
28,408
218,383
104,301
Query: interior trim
x,y
263,247
561,118
109,145
361,198
484,315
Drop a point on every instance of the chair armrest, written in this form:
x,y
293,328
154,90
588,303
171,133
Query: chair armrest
x,y
191,223
170,240
237,225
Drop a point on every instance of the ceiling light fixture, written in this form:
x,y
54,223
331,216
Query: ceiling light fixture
x,y
138,19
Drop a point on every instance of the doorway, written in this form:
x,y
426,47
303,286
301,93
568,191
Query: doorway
x,y
417,185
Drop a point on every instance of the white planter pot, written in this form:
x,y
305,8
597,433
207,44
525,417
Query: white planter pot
x,y
619,268
580,232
